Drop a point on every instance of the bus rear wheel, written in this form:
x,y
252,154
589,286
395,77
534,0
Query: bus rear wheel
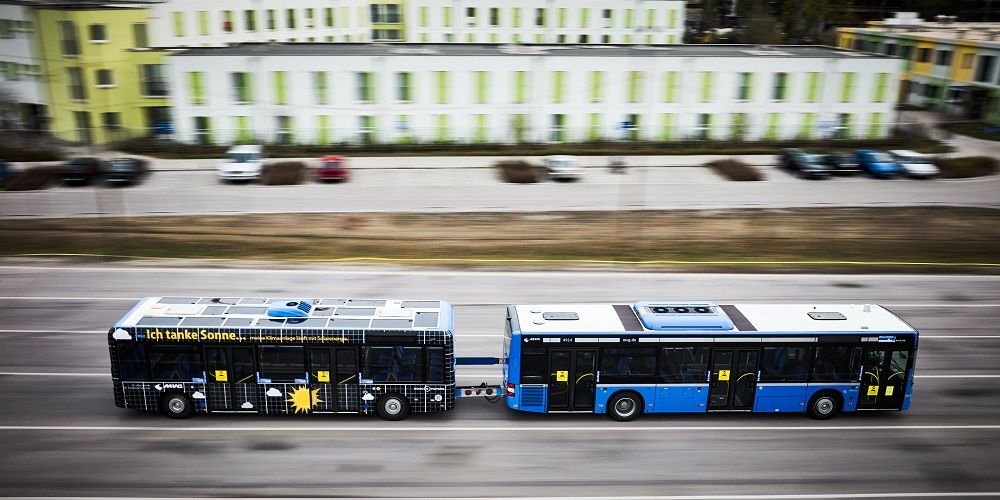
x,y
824,406
625,406
392,407
177,406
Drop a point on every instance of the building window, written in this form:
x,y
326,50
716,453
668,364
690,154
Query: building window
x,y
516,14
241,88
596,85
704,126
111,121
634,86
272,21
847,87
77,90
494,17
178,24
320,87
470,16
482,83
381,34
562,17
280,79
985,70
558,132
385,13
196,82
608,20
202,131
152,80
480,136
780,85
558,86
140,35
890,49
881,86
68,40
561,39
605,38
404,90
442,87
540,18
446,17
250,20
923,54
967,60
290,18
284,130
310,18
628,18
98,33
520,87
584,18
706,86
105,78
203,22
943,58
584,39
364,87
743,91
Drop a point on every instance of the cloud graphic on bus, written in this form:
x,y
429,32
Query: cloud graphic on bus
x,y
247,406
198,395
274,393
367,397
121,335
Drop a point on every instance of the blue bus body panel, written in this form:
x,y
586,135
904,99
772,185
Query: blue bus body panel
x,y
604,392
848,391
681,398
531,397
780,398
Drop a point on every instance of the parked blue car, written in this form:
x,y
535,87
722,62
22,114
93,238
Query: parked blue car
x,y
877,163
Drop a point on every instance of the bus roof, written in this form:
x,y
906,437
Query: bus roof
x,y
280,312
660,317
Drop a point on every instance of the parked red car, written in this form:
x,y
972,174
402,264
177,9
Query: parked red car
x,y
333,168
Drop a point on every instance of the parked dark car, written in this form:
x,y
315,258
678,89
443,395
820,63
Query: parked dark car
x,y
842,163
877,163
802,163
81,170
125,171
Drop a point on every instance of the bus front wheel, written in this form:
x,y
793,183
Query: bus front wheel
x,y
625,406
177,406
392,407
824,405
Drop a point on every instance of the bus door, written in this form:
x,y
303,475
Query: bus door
x,y
330,370
733,379
571,379
883,378
231,380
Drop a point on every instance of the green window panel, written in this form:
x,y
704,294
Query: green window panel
x,y
404,134
672,19
628,39
328,17
670,86
481,85
368,129
323,129
517,17
706,85
280,87
404,87
345,16
447,17
494,38
243,132
814,86
667,131
320,86
773,122
780,90
178,24
539,38
520,86
425,38
808,125
745,91
425,16
847,87
562,17
881,86
470,38
584,18
650,18
875,126
596,85
671,39
442,86
480,135
594,127
634,86
203,23
628,18
242,88
519,125
442,128
365,91
558,86
738,127
516,38
196,81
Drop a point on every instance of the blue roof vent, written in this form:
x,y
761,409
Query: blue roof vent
x,y
290,309
682,316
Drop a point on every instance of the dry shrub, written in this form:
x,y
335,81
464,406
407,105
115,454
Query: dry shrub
x,y
517,171
282,173
735,170
968,166
32,178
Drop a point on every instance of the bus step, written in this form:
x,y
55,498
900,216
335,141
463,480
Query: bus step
x,y
472,391
477,361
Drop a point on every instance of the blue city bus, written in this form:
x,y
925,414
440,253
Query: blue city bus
x,y
696,357
188,355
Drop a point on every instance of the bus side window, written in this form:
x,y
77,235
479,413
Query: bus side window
x,y
347,365
175,362
435,365
534,365
282,363
785,364
683,364
622,365
836,363
243,371
132,362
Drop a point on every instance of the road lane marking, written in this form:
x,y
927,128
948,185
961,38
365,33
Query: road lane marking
x,y
790,496
495,428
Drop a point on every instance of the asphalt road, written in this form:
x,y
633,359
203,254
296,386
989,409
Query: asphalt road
x,y
456,189
61,435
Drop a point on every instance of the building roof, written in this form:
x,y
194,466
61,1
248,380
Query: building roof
x,y
728,319
981,33
266,312
83,4
568,50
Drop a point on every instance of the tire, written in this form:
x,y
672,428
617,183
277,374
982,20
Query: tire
x,y
625,406
177,406
824,406
392,407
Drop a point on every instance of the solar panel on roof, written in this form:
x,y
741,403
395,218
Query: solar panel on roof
x,y
390,323
355,311
178,300
238,322
425,319
422,304
372,303
349,323
218,300
201,321
246,310
159,321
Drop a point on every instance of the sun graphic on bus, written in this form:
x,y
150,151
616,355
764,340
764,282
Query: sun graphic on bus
x,y
302,399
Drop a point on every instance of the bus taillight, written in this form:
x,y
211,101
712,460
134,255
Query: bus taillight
x,y
510,390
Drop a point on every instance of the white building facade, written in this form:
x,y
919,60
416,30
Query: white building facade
x,y
21,68
467,93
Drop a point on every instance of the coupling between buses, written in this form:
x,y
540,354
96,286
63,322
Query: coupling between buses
x,y
181,356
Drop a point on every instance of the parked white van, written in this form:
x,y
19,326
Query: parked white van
x,y
243,163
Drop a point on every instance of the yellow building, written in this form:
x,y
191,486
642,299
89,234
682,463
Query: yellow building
x,y
101,79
